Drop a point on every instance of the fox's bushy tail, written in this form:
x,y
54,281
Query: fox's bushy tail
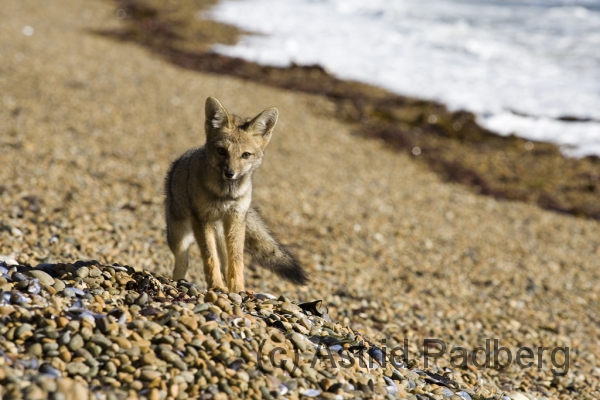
x,y
269,253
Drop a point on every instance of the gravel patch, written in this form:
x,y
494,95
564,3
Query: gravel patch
x,y
117,333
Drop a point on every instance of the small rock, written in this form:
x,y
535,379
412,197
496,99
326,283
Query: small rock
x,y
103,324
18,277
100,340
223,304
59,285
516,396
235,298
169,356
69,292
311,393
83,272
35,349
136,385
299,340
34,392
24,331
8,260
75,343
142,299
189,322
6,310
43,277
50,370
200,307
122,342
209,326
77,368
149,375
210,297
289,308
72,389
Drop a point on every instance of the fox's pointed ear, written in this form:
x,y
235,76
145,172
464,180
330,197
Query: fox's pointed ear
x,y
216,115
262,125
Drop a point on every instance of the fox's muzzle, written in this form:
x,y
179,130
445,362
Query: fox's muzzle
x,y
229,173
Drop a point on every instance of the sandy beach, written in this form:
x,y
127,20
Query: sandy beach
x,y
89,125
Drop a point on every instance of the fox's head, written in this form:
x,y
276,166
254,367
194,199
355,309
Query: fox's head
x,y
235,146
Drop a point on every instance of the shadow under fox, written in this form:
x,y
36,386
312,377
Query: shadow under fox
x,y
208,200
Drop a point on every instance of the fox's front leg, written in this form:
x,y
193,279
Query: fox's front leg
x,y
206,236
235,230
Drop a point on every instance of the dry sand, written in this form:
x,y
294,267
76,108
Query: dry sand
x,y
88,127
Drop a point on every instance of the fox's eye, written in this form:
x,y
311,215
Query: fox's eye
x,y
246,155
221,151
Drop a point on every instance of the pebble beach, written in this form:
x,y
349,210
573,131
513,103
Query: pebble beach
x,y
88,128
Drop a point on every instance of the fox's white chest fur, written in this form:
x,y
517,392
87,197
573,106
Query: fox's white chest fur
x,y
224,199
219,209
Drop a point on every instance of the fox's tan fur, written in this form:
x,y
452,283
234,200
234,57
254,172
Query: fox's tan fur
x,y
208,198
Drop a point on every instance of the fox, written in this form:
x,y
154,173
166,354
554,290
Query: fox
x,y
208,199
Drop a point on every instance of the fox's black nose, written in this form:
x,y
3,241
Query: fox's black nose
x,y
229,173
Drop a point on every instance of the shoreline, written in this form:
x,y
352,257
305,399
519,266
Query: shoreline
x,y
451,144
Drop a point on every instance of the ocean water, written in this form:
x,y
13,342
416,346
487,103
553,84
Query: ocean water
x,y
521,66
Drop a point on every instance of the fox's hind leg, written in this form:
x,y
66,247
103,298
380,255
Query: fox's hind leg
x,y
180,237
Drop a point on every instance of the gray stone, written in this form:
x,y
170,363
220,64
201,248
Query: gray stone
x,y
83,272
22,330
44,278
59,285
76,343
142,299
77,368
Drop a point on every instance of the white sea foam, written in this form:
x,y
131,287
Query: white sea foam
x,y
518,64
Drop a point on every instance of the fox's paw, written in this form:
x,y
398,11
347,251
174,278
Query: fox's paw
x,y
236,288
219,288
